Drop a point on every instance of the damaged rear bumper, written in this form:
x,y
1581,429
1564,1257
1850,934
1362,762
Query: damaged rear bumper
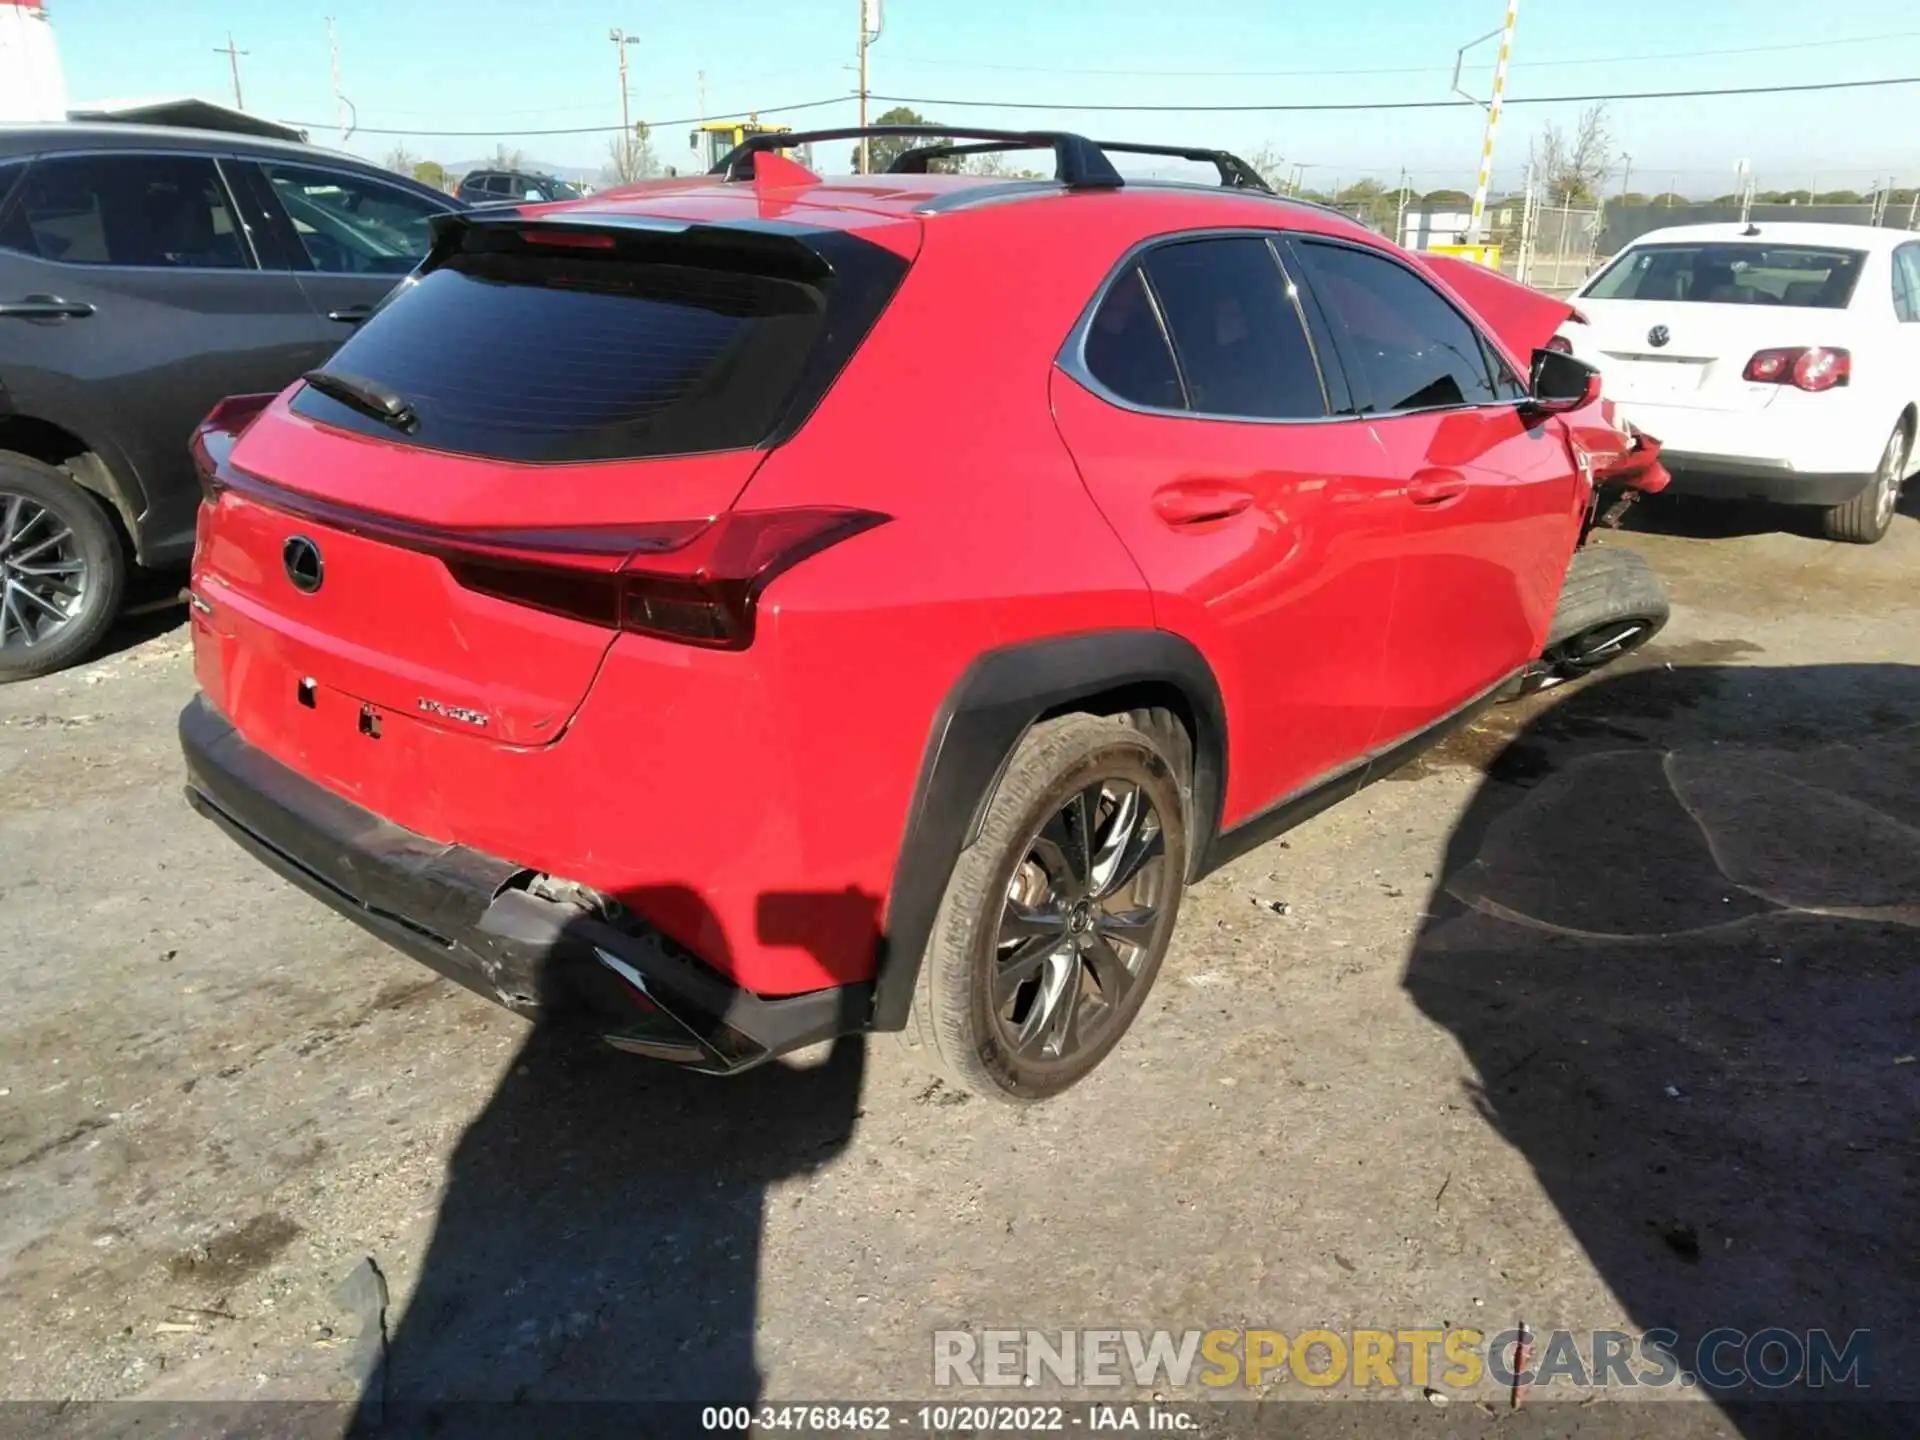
x,y
474,918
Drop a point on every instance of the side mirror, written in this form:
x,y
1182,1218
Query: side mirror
x,y
1561,383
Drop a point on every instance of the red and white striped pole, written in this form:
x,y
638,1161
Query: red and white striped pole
x,y
1493,123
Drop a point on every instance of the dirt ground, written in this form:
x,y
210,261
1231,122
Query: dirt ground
x,y
1602,1016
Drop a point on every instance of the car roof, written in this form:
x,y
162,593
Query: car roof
x,y
851,201
1780,232
109,135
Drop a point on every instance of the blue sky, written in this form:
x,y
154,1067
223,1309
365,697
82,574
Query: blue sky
x,y
513,67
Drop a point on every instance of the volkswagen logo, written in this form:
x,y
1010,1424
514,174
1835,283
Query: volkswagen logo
x,y
304,567
1658,336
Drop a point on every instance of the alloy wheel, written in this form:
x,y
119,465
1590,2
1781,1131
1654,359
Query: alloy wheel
x,y
1891,464
1082,913
43,573
1604,643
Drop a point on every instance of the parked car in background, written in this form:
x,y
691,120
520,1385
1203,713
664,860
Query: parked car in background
x,y
707,680
1775,361
515,187
145,272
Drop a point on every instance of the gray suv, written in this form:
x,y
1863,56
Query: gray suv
x,y
145,274
514,187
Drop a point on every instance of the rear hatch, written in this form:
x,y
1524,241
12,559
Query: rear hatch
x,y
430,532
1676,324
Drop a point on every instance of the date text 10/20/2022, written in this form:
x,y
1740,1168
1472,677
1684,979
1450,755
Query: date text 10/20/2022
x,y
964,1419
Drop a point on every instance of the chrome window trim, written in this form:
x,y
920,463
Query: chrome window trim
x,y
1072,357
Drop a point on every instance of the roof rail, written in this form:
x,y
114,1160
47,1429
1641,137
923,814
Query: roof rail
x,y
1078,163
1235,173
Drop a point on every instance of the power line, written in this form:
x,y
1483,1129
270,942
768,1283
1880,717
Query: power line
x,y
1406,104
1825,85
1405,69
580,130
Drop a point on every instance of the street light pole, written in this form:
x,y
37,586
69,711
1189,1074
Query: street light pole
x,y
869,32
1485,182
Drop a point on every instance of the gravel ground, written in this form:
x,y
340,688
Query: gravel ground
x,y
1601,1016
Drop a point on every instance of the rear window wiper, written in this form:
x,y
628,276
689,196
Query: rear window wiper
x,y
369,397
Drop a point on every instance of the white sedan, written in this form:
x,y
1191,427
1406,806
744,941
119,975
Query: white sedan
x,y
1772,361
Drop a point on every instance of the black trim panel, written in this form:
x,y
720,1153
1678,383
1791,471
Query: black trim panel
x,y
469,916
992,706
1322,794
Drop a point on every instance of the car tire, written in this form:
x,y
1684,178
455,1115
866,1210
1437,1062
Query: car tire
x,y
1868,516
36,569
1038,962
1611,605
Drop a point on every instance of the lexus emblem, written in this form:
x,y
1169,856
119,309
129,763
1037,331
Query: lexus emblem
x,y
305,569
1658,336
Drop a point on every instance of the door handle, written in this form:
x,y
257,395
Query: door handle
x,y
1195,502
45,307
350,314
1429,488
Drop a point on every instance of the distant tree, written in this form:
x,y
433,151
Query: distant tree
x,y
1839,197
401,160
630,157
1667,200
431,172
1574,168
1446,197
1630,197
1270,165
506,159
1371,203
883,150
1724,200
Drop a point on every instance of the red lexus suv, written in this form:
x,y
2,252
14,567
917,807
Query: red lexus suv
x,y
741,611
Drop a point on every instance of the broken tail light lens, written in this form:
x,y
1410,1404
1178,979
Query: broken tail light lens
x,y
1813,368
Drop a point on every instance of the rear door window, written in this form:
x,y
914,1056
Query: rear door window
x,y
660,346
1906,281
1413,349
1238,337
1812,277
154,211
349,224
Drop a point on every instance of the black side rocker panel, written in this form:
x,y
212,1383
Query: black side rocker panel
x,y
992,706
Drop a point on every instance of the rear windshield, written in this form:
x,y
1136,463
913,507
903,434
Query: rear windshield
x,y
1811,277
570,356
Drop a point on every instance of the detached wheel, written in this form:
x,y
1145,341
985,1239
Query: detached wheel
x,y
1611,605
1056,919
62,569
1868,516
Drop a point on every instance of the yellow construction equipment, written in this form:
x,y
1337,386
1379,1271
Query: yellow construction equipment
x,y
714,139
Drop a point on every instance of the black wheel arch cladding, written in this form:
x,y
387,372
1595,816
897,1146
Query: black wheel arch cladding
x,y
990,708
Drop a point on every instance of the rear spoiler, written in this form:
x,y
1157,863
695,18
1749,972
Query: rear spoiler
x,y
770,247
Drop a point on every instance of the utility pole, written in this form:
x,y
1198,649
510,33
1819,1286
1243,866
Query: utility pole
x,y
1485,182
621,40
869,32
233,63
343,111
1626,177
702,76
1400,217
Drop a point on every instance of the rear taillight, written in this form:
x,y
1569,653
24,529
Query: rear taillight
x,y
692,581
1815,367
1560,344
214,438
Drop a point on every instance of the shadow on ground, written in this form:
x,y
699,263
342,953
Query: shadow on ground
x,y
1677,935
598,1243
